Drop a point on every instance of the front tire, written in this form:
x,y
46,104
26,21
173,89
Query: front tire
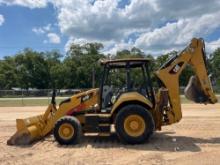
x,y
134,124
67,130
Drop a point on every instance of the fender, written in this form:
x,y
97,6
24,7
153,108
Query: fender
x,y
132,97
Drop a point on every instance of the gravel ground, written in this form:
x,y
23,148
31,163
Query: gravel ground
x,y
194,140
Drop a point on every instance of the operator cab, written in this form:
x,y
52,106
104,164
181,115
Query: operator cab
x,y
122,76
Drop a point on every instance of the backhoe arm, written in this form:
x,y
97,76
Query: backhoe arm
x,y
199,88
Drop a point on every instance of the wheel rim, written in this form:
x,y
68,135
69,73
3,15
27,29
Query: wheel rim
x,y
66,131
134,125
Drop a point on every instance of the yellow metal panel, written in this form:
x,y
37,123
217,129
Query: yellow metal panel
x,y
171,81
131,96
66,107
199,67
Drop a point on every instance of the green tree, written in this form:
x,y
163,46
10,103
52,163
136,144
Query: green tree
x,y
8,76
31,69
81,62
215,65
133,53
56,69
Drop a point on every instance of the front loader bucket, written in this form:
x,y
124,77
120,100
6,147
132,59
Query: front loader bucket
x,y
28,130
32,128
193,91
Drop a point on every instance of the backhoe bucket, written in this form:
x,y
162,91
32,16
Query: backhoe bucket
x,y
193,91
28,130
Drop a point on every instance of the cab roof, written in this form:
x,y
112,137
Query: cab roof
x,y
132,62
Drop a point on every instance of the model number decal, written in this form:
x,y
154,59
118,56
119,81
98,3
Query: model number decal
x,y
86,97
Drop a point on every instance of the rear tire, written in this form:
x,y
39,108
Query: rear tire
x,y
134,124
67,130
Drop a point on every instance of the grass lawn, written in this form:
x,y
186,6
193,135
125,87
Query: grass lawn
x,y
19,102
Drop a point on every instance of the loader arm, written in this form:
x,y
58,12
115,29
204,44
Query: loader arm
x,y
37,127
200,87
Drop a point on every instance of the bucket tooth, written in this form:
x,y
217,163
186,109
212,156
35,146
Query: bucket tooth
x,y
20,138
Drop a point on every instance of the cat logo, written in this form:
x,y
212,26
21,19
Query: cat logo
x,y
176,68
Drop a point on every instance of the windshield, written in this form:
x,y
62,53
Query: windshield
x,y
123,79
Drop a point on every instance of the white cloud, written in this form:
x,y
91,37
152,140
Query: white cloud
x,y
53,38
42,30
83,20
154,25
26,3
176,35
46,30
212,46
103,21
2,19
38,30
75,41
118,47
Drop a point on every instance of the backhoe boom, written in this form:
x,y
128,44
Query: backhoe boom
x,y
199,88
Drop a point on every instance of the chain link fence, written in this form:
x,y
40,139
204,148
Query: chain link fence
x,y
37,93
33,97
42,97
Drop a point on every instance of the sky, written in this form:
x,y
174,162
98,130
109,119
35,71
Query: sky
x,y
154,26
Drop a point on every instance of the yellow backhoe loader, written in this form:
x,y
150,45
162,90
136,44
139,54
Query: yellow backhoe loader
x,y
126,102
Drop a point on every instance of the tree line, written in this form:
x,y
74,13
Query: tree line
x,y
78,67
